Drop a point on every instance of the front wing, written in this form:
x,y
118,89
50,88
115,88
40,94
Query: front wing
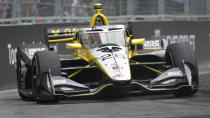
x,y
170,80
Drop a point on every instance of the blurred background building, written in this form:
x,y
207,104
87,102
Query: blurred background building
x,y
41,11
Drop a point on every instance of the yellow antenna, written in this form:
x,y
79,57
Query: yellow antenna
x,y
98,9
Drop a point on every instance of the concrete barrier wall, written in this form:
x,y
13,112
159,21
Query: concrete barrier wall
x,y
197,33
10,38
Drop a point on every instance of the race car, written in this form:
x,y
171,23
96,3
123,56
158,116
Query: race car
x,y
100,59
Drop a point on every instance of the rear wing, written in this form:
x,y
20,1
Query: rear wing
x,y
60,34
57,37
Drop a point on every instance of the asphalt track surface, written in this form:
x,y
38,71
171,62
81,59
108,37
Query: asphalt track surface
x,y
138,106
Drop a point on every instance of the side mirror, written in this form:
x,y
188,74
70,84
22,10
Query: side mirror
x,y
137,41
73,46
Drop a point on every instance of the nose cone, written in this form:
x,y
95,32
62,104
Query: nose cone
x,y
113,61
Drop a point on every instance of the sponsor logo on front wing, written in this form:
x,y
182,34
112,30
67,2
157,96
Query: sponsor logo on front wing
x,y
178,73
58,82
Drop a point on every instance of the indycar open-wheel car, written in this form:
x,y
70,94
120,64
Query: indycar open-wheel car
x,y
100,59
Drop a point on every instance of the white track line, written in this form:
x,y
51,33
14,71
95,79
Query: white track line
x,y
8,91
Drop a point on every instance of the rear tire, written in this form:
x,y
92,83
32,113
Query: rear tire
x,y
43,62
175,55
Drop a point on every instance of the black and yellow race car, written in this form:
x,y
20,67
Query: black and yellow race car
x,y
100,59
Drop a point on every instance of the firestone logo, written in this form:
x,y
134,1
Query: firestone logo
x,y
189,38
182,38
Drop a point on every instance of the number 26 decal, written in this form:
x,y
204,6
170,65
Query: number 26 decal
x,y
106,56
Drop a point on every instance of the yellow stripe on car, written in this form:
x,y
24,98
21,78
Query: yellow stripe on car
x,y
150,68
60,40
158,89
95,92
77,72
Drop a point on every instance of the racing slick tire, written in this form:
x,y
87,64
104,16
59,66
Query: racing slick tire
x,y
22,77
175,55
44,61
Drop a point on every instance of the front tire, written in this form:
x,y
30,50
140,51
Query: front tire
x,y
44,61
175,55
23,80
